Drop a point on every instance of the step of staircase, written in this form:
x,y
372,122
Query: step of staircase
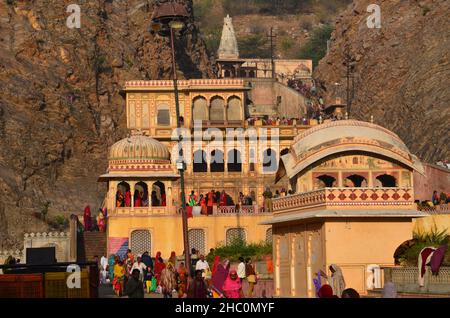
x,y
94,243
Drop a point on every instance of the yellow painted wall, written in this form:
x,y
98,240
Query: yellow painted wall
x,y
167,234
428,223
356,244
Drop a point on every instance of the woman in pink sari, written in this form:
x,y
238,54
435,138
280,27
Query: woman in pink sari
x,y
232,286
87,218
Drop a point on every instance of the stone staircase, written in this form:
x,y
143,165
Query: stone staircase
x,y
91,244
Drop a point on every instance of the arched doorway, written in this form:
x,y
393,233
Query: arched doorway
x,y
123,195
234,109
217,163
217,109
158,196
199,164
200,109
326,181
355,181
234,161
387,180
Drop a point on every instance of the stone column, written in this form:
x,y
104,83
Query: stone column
x,y
73,240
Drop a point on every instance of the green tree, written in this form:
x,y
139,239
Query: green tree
x,y
316,47
254,46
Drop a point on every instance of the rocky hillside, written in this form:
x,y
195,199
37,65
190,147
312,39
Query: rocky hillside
x,y
402,70
60,107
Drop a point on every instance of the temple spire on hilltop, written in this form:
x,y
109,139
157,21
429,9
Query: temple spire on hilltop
x,y
228,48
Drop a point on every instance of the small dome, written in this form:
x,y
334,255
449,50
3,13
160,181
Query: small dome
x,y
138,147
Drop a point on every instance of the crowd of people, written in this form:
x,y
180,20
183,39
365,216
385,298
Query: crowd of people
x,y
133,276
273,121
140,198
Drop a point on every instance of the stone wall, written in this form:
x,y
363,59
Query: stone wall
x,y
60,240
264,95
436,178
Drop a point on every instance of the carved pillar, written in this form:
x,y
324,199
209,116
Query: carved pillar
x,y
370,181
132,188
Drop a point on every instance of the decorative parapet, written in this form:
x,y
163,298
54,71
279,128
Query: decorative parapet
x,y
184,84
46,234
346,198
143,211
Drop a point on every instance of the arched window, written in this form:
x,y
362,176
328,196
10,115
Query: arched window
x,y
199,164
269,235
387,180
123,195
163,115
234,109
251,74
141,241
236,235
141,194
158,196
356,181
270,163
197,240
234,161
217,164
326,181
217,109
200,109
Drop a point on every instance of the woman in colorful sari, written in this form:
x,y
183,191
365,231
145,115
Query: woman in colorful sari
x,y
168,280
202,201
127,199
119,199
215,264
173,258
232,287
87,219
223,198
336,280
119,275
101,222
210,202
182,280
159,266
219,277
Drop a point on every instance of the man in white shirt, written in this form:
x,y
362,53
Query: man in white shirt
x,y
140,266
241,269
202,265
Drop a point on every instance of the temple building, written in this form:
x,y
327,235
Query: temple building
x,y
354,205
245,160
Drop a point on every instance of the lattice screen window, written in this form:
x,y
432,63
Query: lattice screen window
x,y
269,235
140,242
197,240
236,234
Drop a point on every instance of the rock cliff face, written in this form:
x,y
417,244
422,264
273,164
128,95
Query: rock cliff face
x,y
402,70
60,107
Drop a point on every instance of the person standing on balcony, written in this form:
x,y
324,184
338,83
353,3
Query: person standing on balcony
x,y
210,202
268,200
126,200
223,198
137,199
202,201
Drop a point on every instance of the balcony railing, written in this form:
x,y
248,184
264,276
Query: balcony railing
x,y
437,209
143,211
346,197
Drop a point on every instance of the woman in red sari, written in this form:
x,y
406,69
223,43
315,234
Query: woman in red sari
x,y
223,198
128,198
158,267
163,199
87,218
203,205
216,264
